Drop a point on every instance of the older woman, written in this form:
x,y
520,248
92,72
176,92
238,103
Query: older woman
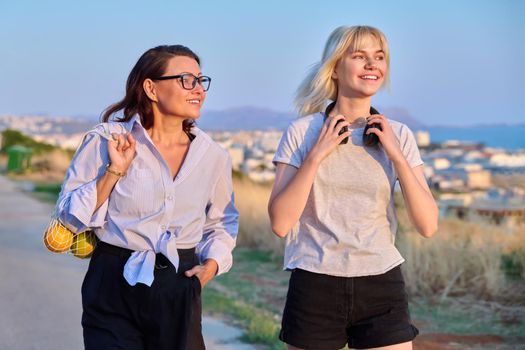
x,y
158,193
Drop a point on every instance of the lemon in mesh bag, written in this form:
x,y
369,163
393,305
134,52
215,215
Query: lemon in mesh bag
x,y
83,244
59,239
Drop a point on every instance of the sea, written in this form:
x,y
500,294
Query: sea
x,y
509,137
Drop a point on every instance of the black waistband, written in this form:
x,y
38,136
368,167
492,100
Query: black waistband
x,y
125,253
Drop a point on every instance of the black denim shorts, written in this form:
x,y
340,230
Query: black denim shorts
x,y
328,312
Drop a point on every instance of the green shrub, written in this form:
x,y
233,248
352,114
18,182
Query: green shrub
x,y
511,264
13,137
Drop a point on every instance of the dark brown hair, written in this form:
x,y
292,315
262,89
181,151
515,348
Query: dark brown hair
x,y
150,65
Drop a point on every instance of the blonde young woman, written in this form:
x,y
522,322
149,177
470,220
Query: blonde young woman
x,y
334,203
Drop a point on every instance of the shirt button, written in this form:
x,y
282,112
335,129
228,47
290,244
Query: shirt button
x,y
170,197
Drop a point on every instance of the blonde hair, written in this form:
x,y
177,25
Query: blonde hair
x,y
318,86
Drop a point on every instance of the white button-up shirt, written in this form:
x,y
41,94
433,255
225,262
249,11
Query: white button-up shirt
x,y
148,211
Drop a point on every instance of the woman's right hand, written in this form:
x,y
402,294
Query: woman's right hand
x,y
329,138
121,151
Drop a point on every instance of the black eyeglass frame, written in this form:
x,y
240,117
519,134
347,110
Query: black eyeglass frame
x,y
181,78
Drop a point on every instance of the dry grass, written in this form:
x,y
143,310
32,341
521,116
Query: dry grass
x,y
254,227
463,258
57,160
3,162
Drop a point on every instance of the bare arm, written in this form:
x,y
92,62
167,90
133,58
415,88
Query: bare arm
x,y
292,186
420,203
289,195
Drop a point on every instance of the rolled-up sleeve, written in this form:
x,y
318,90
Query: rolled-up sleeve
x,y
77,200
221,225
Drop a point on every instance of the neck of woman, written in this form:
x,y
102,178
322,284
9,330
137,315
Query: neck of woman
x,y
353,109
168,131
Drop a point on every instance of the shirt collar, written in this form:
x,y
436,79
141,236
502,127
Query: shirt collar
x,y
130,123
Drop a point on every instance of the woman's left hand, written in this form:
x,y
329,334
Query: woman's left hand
x,y
386,136
204,272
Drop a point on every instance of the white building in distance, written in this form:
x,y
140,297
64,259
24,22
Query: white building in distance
x,y
422,138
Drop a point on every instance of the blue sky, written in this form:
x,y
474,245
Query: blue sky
x,y
452,62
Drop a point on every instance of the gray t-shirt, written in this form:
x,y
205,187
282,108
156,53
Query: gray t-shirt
x,y
349,223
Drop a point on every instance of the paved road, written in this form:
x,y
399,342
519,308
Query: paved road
x,y
40,291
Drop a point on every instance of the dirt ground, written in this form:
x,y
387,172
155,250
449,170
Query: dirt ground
x,y
443,341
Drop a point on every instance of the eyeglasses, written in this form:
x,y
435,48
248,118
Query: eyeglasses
x,y
189,81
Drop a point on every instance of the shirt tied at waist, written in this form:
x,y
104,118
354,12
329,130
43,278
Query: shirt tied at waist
x,y
141,264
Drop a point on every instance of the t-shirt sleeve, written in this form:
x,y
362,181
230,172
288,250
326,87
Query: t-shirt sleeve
x,y
289,151
408,144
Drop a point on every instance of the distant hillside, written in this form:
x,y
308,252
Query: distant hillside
x,y
251,118
246,118
46,125
402,115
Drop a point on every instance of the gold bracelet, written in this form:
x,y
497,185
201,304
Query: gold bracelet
x,y
114,172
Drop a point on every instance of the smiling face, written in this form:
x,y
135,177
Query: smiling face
x,y
361,71
172,98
